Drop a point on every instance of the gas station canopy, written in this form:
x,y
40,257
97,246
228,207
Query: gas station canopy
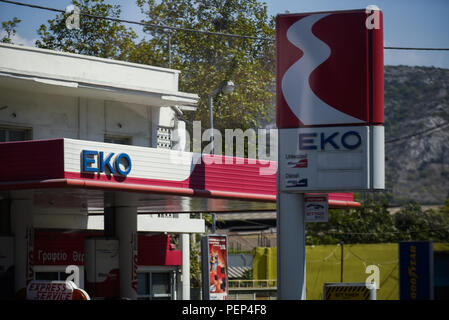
x,y
67,173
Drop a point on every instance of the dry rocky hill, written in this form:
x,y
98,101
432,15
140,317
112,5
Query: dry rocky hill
x,y
417,134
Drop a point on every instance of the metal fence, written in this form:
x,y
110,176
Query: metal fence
x,y
253,284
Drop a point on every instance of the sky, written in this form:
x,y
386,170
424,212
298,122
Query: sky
x,y
407,23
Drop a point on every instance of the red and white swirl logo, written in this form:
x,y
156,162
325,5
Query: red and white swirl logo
x,y
329,69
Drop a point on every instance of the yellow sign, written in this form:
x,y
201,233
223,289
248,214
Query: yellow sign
x,y
346,291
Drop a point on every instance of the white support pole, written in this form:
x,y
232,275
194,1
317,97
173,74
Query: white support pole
x,y
373,292
291,253
22,222
126,232
185,271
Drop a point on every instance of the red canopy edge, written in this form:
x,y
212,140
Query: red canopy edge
x,y
75,183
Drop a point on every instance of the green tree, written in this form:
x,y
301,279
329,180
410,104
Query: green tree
x,y
195,261
373,223
10,29
416,224
95,37
204,60
207,60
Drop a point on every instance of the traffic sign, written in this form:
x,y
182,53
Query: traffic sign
x,y
316,208
331,159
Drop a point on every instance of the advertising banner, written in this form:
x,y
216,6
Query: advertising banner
x,y
58,249
215,267
416,270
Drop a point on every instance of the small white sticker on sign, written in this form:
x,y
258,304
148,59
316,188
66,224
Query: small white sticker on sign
x,y
316,208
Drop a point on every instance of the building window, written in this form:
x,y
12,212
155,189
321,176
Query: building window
x,y
164,139
155,285
14,134
118,140
56,273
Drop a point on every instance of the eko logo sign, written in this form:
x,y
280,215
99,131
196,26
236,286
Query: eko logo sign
x,y
349,140
330,68
330,101
330,114
98,162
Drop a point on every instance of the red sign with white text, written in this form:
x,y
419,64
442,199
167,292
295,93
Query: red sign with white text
x,y
55,290
218,265
55,248
329,69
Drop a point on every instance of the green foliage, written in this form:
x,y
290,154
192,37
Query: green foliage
x,y
204,60
372,223
247,274
96,37
415,224
10,29
207,60
195,261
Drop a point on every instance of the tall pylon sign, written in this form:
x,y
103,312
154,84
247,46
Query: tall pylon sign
x,y
330,114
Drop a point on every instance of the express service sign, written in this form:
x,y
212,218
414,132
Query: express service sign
x,y
55,290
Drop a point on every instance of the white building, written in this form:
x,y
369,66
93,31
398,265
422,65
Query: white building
x,y
86,169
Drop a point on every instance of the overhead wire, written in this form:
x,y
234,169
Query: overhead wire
x,y
409,48
165,27
419,133
384,232
145,24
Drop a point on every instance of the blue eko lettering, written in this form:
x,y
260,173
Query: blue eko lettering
x,y
88,162
307,141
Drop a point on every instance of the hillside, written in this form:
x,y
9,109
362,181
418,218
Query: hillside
x,y
417,134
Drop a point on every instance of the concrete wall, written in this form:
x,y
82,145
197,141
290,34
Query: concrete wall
x,y
55,116
86,69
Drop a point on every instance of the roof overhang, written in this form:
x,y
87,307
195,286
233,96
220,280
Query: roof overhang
x,y
167,180
52,72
